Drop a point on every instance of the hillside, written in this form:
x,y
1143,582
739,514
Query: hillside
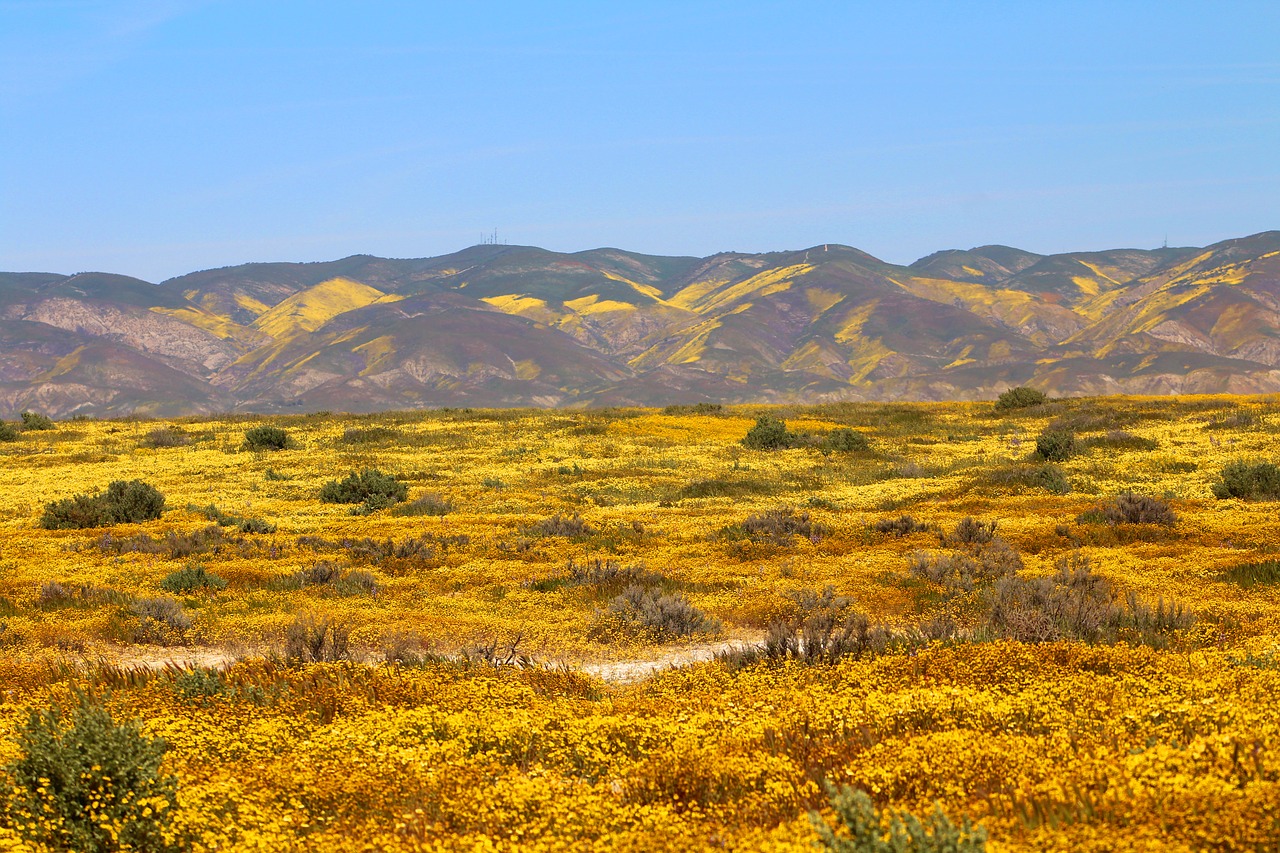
x,y
517,325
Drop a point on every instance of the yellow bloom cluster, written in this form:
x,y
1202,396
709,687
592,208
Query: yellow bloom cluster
x,y
520,530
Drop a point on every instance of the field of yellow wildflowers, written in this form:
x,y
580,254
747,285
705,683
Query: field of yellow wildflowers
x,y
1058,620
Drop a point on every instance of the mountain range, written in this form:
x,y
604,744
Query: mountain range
x,y
499,325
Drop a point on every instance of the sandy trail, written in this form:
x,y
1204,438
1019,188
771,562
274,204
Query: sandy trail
x,y
628,671
625,671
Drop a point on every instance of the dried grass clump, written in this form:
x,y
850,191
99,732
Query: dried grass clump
x,y
315,639
161,620
648,613
779,526
903,525
568,526
1132,508
1078,604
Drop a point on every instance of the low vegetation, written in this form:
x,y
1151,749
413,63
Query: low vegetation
x,y
1055,446
1250,481
862,828
35,422
84,782
265,439
370,487
123,502
466,649
1020,397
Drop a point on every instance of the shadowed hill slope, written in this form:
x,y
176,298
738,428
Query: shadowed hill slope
x,y
500,325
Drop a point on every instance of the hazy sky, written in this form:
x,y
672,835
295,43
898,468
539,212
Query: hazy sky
x,y
154,138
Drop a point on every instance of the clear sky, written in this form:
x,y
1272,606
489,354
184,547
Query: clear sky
x,y
155,138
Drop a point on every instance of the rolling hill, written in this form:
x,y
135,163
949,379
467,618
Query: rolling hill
x,y
499,325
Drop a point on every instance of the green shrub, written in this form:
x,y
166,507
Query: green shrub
x,y
123,502
726,487
214,513
190,578
863,829
1021,397
255,525
769,433
1047,477
8,432
1055,445
265,438
1251,481
35,422
133,501
845,441
1251,574
86,783
695,409
369,436
370,486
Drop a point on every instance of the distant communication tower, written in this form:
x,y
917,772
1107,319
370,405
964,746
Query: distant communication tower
x,y
492,239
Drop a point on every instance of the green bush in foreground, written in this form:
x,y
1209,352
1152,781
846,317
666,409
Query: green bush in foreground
x,y
86,783
8,432
1021,397
866,830
123,502
1251,481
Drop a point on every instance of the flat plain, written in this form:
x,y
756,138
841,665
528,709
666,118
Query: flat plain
x,y
1060,621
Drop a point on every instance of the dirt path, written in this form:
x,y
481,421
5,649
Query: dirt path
x,y
177,657
628,671
613,672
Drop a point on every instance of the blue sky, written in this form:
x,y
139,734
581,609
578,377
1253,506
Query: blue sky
x,y
154,138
